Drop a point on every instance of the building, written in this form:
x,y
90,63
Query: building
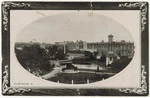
x,y
121,48
110,57
78,45
70,45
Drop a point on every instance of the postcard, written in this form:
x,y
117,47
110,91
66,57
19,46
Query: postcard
x,y
75,48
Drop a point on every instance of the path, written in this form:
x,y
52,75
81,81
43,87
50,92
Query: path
x,y
52,73
98,72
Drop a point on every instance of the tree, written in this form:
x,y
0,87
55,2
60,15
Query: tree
x,y
34,57
103,58
52,50
60,54
120,64
89,54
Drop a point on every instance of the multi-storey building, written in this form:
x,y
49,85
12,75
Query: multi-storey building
x,y
121,48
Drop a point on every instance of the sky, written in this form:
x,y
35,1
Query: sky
x,y
73,26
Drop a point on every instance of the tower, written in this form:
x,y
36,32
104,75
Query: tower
x,y
110,38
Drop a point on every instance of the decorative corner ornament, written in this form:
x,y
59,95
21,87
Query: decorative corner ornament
x,y
143,89
5,11
142,6
8,90
51,89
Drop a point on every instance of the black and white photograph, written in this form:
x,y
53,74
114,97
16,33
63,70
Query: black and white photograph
x,y
75,48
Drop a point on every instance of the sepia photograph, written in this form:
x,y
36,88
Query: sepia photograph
x,y
74,48
61,49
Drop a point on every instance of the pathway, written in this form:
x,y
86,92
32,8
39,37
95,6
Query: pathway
x,y
52,73
98,72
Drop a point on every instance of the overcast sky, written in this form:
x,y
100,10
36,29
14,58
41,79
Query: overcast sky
x,y
74,26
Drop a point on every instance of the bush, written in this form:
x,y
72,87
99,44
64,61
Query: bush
x,y
103,58
90,55
121,63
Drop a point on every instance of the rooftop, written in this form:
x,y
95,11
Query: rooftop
x,y
110,35
111,54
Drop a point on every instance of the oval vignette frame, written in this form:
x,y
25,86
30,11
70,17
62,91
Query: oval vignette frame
x,y
46,26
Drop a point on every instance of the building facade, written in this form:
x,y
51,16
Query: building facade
x,y
121,48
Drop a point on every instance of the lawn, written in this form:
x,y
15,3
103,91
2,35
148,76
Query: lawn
x,y
78,78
